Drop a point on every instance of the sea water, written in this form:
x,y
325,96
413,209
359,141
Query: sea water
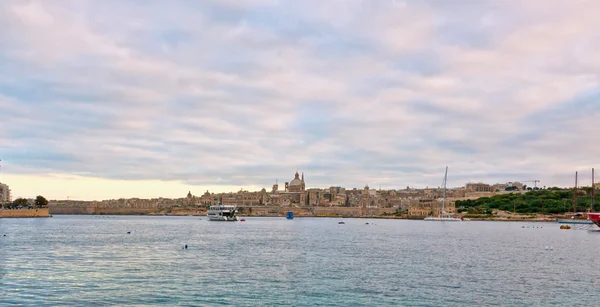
x,y
133,260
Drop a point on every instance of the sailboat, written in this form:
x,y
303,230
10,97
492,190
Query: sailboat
x,y
575,218
444,216
593,216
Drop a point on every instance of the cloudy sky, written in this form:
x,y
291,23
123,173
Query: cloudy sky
x,y
108,99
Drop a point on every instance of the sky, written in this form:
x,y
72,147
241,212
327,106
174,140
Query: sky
x,y
109,99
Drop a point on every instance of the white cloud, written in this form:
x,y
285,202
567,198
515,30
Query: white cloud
x,y
353,92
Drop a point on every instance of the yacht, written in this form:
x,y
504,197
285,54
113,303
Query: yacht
x,y
445,216
221,212
582,218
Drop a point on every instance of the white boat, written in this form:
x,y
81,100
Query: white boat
x,y
573,220
226,213
445,216
449,218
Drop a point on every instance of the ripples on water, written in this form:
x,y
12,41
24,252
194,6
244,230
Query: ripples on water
x,y
91,260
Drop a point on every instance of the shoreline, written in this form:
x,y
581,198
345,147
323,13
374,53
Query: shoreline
x,y
545,220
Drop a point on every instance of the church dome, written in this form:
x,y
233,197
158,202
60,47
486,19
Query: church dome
x,y
295,182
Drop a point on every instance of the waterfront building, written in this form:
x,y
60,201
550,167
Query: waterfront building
x,y
5,196
427,207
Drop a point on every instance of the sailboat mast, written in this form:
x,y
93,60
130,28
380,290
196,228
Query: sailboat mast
x,y
592,205
444,197
575,195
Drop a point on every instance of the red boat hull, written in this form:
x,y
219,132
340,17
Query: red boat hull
x,y
594,217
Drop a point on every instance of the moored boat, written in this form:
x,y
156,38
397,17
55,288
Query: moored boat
x,y
594,218
444,216
574,220
225,213
582,218
447,218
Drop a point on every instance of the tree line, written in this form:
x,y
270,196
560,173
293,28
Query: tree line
x,y
549,201
23,203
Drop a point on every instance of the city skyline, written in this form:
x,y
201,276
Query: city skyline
x,y
113,99
131,189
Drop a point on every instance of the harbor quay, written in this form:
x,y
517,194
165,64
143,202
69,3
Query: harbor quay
x,y
25,213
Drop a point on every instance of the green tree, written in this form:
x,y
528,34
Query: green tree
x,y
20,202
548,201
41,202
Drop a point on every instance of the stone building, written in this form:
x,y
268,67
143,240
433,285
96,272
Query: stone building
x,y
245,198
334,196
427,207
478,187
296,185
294,193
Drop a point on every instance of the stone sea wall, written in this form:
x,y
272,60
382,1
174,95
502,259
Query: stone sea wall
x,y
44,212
92,208
54,209
351,211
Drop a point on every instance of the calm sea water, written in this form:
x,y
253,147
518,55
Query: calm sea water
x,y
92,261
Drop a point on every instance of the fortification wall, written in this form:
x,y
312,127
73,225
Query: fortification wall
x,y
297,211
124,211
338,211
261,211
44,212
55,209
244,211
377,211
351,211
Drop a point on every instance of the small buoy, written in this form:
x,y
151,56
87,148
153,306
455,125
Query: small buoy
x,y
185,246
129,232
242,220
366,223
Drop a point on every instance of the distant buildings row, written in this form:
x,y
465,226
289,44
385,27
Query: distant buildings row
x,y
417,202
295,193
